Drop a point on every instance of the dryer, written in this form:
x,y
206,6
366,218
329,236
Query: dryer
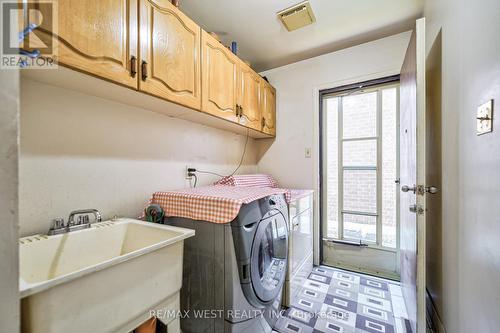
x,y
234,273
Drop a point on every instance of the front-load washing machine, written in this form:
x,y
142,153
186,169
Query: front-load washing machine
x,y
234,272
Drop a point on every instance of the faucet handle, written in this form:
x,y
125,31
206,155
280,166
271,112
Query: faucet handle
x,y
83,217
58,223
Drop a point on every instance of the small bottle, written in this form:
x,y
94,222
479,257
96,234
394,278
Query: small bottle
x,y
234,47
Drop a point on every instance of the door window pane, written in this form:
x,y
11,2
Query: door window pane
x,y
359,116
360,153
360,227
389,167
362,127
331,148
360,190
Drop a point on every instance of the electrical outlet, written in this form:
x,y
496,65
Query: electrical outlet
x,y
188,174
308,153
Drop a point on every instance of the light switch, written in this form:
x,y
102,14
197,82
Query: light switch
x,y
485,118
308,153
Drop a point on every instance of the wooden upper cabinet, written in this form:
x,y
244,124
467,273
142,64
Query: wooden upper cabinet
x,y
249,97
98,37
268,109
170,54
151,46
218,79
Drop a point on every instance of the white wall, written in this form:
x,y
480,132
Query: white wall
x,y
80,151
297,88
9,119
471,211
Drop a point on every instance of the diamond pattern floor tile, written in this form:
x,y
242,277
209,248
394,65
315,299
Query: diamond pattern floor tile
x,y
333,300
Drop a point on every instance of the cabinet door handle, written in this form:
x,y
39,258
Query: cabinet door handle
x,y
144,70
263,122
237,110
133,66
241,111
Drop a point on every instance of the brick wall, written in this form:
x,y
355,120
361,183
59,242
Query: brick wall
x,y
360,186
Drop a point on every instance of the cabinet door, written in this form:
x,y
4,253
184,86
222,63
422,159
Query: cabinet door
x,y
249,97
301,233
98,37
268,109
170,54
218,79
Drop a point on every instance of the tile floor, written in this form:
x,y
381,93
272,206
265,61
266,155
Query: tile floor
x,y
334,300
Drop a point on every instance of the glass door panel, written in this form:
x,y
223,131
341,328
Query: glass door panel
x,y
360,227
360,191
359,116
331,159
390,170
360,153
360,167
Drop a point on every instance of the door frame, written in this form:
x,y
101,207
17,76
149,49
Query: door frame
x,y
317,240
366,84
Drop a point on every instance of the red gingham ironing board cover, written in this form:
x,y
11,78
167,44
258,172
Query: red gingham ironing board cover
x,y
261,180
217,204
255,180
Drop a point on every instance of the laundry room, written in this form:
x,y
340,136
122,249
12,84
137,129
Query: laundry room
x,y
248,166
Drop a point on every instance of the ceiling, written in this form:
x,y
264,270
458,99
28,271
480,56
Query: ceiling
x,y
264,41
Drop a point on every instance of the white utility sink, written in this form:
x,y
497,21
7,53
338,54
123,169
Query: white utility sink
x,y
103,279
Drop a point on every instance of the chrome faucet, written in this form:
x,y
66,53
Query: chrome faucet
x,y
72,215
83,222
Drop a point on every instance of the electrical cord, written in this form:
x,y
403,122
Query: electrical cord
x,y
239,165
210,173
243,155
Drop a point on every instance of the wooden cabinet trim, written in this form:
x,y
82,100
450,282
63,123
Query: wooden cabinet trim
x,y
187,89
119,59
211,105
268,109
249,99
95,61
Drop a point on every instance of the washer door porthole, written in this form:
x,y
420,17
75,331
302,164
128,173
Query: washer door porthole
x,y
268,258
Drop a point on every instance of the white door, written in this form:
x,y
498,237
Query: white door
x,y
413,175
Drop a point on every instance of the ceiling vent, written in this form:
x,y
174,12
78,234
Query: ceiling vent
x,y
297,16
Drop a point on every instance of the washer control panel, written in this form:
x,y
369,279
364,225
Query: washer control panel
x,y
272,276
277,202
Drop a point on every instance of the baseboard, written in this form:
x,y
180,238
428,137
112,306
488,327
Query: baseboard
x,y
434,323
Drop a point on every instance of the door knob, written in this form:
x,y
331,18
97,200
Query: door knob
x,y
406,188
431,189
